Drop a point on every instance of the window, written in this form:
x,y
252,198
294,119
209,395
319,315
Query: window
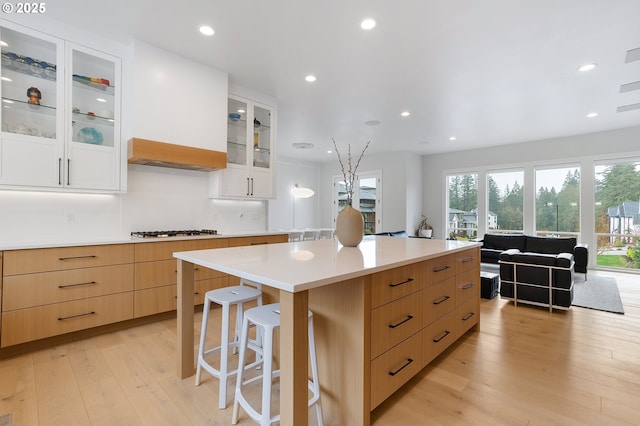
x,y
462,206
366,198
558,201
505,201
617,214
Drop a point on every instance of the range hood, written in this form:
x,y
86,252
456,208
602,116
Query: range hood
x,y
161,154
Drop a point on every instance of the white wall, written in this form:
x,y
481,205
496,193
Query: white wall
x,y
285,208
401,189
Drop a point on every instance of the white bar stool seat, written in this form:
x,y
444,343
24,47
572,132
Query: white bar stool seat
x,y
227,296
267,319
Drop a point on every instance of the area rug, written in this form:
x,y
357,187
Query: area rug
x,y
599,293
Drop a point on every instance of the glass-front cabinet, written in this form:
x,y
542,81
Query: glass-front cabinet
x,y
60,113
250,152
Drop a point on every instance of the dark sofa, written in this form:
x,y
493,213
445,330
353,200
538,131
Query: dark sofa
x,y
536,270
494,244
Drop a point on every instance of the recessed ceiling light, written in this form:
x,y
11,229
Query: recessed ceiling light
x,y
367,23
310,78
405,113
592,114
587,67
206,30
101,100
452,138
329,151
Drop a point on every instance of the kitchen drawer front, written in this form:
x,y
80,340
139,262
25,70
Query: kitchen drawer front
x,y
257,240
28,290
394,368
467,285
162,250
155,300
394,322
439,269
61,258
467,315
438,336
439,299
395,283
25,325
202,286
467,259
165,272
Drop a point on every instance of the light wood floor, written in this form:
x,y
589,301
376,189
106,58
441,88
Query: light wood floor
x,y
524,367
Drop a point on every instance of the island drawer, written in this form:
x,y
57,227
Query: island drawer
x,y
394,368
28,290
467,259
439,269
395,283
467,285
61,258
439,299
257,240
467,315
24,325
438,336
394,322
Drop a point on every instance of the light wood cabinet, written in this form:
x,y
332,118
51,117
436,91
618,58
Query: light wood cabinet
x,y
52,291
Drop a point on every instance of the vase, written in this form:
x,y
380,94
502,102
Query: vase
x,y
349,227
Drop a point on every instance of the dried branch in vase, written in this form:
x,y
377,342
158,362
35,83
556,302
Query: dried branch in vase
x,y
349,175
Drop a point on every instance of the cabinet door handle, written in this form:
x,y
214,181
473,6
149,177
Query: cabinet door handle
x,y
468,259
406,364
409,317
467,286
247,186
68,171
438,339
91,256
76,316
442,300
408,280
468,316
442,268
252,186
59,171
77,284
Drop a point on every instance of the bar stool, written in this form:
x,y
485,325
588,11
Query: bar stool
x,y
267,318
227,296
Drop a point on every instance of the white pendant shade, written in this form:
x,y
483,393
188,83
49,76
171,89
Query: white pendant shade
x,y
302,192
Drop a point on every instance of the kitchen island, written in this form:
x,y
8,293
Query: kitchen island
x,y
382,311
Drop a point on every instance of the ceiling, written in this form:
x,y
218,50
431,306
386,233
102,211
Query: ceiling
x,y
488,72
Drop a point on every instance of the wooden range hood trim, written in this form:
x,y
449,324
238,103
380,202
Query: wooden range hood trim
x,y
162,154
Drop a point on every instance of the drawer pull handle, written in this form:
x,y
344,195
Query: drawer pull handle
x,y
442,268
409,317
78,257
393,373
259,244
438,339
439,301
408,280
467,286
75,285
468,316
76,316
468,259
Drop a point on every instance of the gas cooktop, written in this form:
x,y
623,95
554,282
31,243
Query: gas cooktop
x,y
165,234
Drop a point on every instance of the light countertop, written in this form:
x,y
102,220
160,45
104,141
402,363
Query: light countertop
x,y
35,244
304,265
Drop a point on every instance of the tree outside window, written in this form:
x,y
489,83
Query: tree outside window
x,y
462,206
558,201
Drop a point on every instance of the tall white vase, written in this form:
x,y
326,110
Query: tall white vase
x,y
349,227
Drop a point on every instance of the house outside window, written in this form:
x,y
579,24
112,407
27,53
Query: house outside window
x,y
462,206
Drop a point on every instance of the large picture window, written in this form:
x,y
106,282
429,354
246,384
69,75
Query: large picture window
x,y
558,201
462,206
617,214
505,198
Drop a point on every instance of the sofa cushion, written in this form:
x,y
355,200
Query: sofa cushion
x,y
504,242
535,259
550,245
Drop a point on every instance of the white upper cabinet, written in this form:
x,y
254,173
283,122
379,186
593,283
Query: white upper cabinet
x,y
250,152
60,114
